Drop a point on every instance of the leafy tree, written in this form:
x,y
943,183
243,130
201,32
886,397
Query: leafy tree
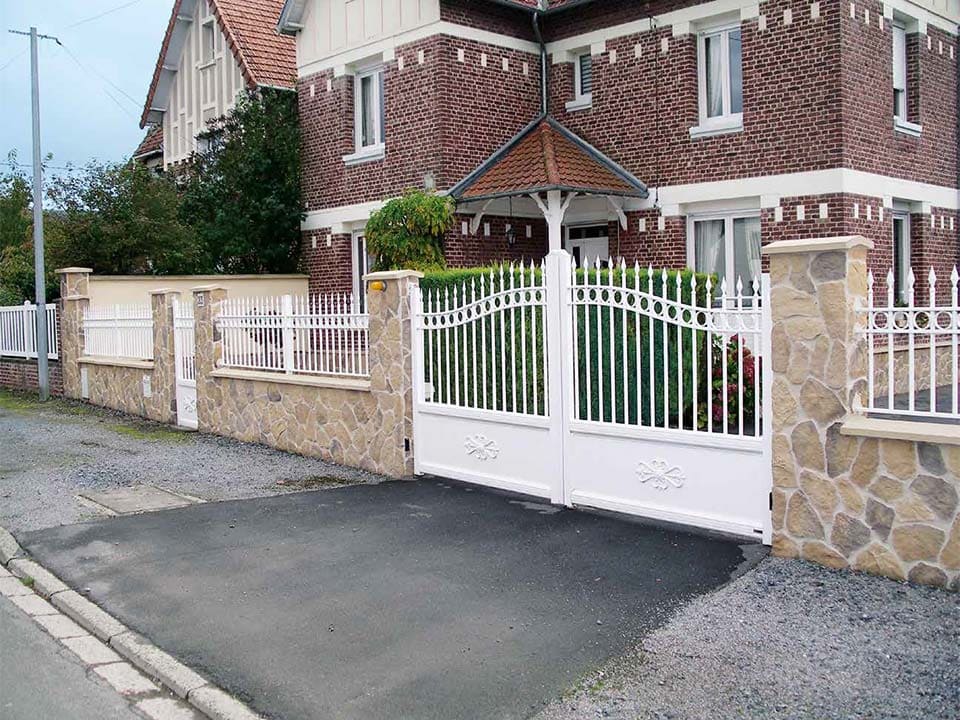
x,y
242,194
15,205
407,232
121,220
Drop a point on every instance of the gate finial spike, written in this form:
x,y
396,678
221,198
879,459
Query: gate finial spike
x,y
954,276
932,277
870,279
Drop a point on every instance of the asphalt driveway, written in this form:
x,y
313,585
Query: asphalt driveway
x,y
399,600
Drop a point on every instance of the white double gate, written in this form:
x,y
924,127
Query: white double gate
x,y
184,350
625,389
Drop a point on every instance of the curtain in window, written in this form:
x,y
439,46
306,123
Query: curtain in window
x,y
367,93
736,73
713,52
746,252
708,248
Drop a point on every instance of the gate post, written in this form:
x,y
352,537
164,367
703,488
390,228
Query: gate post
x,y
74,301
208,349
164,359
559,363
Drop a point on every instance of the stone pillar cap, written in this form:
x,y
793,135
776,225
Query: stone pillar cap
x,y
810,245
64,271
393,275
164,291
207,288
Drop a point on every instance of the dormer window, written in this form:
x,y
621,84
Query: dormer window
x,y
720,81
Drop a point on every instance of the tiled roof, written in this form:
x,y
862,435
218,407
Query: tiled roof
x,y
152,143
265,57
547,156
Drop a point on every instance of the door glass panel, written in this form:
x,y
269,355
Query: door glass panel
x,y
746,252
709,247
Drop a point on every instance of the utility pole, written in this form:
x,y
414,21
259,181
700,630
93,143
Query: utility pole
x,y
40,280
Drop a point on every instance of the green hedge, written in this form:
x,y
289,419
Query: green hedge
x,y
624,361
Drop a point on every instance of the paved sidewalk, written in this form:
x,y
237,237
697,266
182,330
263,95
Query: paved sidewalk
x,y
398,600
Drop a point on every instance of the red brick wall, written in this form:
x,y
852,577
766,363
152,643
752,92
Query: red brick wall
x,y
330,268
643,108
479,249
21,374
869,140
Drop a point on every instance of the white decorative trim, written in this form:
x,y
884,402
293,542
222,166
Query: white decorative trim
x,y
440,27
481,447
581,103
731,124
660,474
367,154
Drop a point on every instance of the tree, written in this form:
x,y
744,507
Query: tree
x,y
15,205
407,232
242,194
120,220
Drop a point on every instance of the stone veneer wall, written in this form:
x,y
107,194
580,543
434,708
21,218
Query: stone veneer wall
x,y
877,504
361,423
943,357
117,383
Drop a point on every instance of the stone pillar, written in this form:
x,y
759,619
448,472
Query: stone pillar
x,y
207,300
74,300
850,490
391,363
164,379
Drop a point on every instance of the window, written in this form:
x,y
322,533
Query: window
x,y
582,81
368,113
362,262
899,72
588,242
720,86
901,256
728,247
584,77
207,42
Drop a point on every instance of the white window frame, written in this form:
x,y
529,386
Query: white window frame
x,y
901,268
728,121
205,61
376,150
359,266
729,260
899,54
581,100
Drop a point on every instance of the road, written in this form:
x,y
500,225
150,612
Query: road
x,y
39,678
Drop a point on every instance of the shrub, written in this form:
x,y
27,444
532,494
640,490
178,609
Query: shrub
x,y
407,232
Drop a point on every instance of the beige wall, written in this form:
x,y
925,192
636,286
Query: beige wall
x,y
200,91
135,289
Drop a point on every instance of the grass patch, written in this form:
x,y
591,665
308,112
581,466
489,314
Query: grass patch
x,y
143,431
17,402
27,580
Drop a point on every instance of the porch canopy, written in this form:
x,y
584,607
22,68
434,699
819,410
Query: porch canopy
x,y
551,165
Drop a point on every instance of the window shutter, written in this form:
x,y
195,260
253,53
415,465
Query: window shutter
x,y
899,58
586,74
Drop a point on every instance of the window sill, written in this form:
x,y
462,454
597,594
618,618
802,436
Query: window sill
x,y
907,128
724,127
370,154
580,103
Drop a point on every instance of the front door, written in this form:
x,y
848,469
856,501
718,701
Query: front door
x,y
588,243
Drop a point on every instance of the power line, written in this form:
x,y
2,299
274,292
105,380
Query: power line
x,y
104,79
100,15
10,62
30,165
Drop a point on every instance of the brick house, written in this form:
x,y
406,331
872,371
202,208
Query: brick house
x,y
744,123
212,51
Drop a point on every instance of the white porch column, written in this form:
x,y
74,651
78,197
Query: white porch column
x,y
554,211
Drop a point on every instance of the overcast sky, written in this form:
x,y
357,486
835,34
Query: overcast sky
x,y
84,110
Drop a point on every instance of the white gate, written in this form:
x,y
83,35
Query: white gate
x,y
184,343
619,388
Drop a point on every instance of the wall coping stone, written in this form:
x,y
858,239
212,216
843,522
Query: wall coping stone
x,y
64,271
163,291
207,288
116,361
141,278
392,275
338,383
842,242
75,297
928,432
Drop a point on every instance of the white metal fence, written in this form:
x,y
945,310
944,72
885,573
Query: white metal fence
x,y
18,330
124,331
913,350
317,335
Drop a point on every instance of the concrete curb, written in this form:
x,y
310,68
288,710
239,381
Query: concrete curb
x,y
154,662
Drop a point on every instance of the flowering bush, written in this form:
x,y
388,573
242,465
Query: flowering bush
x,y
728,352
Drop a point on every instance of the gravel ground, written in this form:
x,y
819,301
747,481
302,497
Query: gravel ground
x,y
788,640
50,453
